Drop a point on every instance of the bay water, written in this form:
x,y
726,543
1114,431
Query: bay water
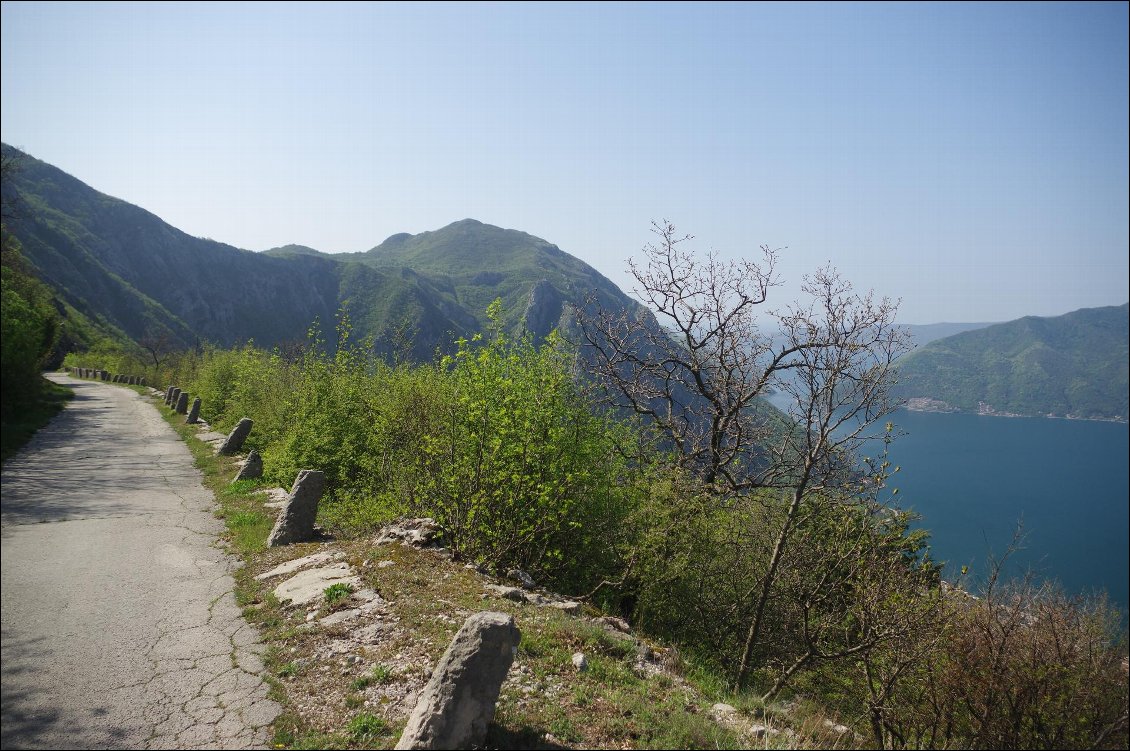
x,y
974,478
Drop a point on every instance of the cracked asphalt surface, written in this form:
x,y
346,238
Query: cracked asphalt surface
x,y
120,629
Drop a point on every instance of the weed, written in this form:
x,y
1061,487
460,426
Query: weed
x,y
336,593
367,727
563,729
379,674
243,487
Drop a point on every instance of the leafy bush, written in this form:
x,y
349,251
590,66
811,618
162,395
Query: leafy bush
x,y
30,326
521,471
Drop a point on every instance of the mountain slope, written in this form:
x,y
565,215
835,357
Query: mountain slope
x,y
119,263
1071,365
923,334
475,263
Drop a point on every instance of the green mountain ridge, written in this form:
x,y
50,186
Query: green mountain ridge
x,y
1074,365
123,265
120,270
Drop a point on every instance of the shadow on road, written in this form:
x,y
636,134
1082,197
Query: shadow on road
x,y
56,478
30,716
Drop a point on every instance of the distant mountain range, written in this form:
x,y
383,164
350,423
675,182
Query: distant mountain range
x,y
128,271
121,272
923,334
1074,365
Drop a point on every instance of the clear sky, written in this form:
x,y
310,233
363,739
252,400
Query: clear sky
x,y
971,159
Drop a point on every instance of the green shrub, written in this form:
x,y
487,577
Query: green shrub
x,y
520,471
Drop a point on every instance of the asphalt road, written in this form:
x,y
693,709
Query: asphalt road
x,y
119,625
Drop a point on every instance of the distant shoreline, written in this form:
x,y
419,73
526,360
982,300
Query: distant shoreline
x,y
927,404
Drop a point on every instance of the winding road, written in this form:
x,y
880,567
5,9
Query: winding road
x,y
120,629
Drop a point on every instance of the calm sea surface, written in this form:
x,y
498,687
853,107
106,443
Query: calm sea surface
x,y
973,478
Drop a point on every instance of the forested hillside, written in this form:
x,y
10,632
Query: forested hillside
x,y
120,264
1074,365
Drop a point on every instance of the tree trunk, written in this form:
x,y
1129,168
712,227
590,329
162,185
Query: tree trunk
x,y
767,585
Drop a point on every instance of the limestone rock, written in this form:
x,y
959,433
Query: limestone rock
x,y
310,585
544,309
194,413
520,576
579,662
236,438
569,607
613,624
722,711
296,521
252,467
415,532
510,593
458,703
298,563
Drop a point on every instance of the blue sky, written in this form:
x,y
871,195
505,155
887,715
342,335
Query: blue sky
x,y
970,159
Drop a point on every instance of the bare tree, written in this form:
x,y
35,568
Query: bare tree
x,y
158,345
701,373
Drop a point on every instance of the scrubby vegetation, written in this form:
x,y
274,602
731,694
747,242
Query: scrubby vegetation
x,y
30,329
522,467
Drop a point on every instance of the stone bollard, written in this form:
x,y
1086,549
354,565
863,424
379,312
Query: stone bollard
x,y
194,413
296,521
458,703
252,469
235,439
182,403
168,394
173,398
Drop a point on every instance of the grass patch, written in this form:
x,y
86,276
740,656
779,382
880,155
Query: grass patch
x,y
379,674
366,727
24,418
